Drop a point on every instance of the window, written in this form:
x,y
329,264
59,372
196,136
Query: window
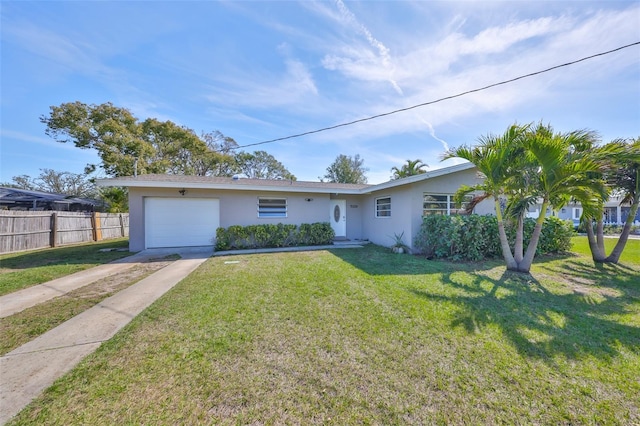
x,y
443,204
577,212
272,207
383,207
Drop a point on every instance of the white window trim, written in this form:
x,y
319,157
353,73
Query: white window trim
x,y
449,202
375,207
286,208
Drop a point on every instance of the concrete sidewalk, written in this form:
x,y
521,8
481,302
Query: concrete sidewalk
x,y
26,298
26,371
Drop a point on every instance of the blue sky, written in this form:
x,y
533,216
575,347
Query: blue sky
x,y
262,70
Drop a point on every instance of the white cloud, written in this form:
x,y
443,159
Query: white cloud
x,y
354,60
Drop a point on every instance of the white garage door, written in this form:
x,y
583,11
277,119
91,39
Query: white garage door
x,y
180,222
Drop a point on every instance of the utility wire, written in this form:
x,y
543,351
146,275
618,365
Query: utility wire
x,y
324,129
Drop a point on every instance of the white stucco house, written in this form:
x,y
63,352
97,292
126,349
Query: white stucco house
x,y
178,211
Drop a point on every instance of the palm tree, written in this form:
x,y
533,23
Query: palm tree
x,y
621,160
528,164
566,171
411,168
495,158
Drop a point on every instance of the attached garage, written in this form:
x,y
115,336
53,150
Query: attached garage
x,y
180,222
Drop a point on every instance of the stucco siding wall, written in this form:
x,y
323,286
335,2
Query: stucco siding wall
x,y
241,208
380,230
407,206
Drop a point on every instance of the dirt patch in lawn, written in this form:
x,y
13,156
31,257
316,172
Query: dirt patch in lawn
x,y
26,325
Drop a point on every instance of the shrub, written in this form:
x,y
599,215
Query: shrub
x,y
475,237
269,235
556,236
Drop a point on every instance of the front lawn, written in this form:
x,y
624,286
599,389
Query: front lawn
x,y
364,336
24,269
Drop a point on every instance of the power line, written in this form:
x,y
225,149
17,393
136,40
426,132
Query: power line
x,y
324,129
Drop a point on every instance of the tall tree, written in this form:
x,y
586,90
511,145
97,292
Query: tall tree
x,y
621,160
113,132
127,146
494,158
411,168
226,164
262,165
528,164
49,180
346,169
565,171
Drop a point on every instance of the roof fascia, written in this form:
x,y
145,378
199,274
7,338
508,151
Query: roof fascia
x,y
224,186
418,178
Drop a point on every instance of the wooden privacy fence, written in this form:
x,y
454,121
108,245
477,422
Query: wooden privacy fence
x,y
27,230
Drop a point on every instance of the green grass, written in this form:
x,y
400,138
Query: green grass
x,y
630,254
20,270
364,336
24,326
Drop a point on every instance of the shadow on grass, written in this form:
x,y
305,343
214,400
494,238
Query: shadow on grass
x,y
76,254
577,319
572,308
377,260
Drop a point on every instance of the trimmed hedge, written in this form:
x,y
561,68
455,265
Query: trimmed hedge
x,y
262,236
475,237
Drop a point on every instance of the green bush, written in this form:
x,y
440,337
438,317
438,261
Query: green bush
x,y
556,236
268,235
475,237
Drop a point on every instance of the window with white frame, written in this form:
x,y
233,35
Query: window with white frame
x,y
443,204
383,207
577,212
272,207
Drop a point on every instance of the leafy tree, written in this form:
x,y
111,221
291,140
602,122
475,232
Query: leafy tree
x,y
411,168
72,184
225,146
127,146
262,165
346,169
528,164
114,132
621,160
115,198
21,182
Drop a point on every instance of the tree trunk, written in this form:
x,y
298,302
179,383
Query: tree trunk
x,y
597,254
614,257
600,234
525,265
519,243
504,242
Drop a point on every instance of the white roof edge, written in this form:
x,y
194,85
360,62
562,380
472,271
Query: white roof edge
x,y
224,186
284,188
417,178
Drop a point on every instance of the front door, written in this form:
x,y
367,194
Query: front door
x,y
338,217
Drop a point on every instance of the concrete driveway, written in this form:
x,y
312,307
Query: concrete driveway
x,y
26,371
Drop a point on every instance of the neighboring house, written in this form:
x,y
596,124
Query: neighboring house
x,y
615,212
177,210
22,199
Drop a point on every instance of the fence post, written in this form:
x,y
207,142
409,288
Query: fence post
x,y
54,229
121,225
96,224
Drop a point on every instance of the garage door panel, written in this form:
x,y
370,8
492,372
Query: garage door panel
x,y
181,222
